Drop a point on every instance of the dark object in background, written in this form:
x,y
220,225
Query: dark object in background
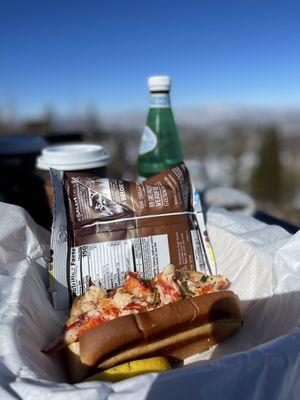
x,y
271,220
18,182
68,137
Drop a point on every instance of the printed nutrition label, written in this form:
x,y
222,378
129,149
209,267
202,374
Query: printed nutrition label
x,y
201,265
107,262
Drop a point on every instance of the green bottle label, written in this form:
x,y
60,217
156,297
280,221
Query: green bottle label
x,y
149,141
160,100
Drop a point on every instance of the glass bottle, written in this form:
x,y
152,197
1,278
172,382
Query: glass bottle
x,y
160,146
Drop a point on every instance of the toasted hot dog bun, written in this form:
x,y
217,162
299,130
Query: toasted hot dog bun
x,y
177,330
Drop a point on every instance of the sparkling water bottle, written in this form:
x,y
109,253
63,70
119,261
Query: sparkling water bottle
x,y
160,146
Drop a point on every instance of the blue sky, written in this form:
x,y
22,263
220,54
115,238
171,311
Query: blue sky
x,y
73,54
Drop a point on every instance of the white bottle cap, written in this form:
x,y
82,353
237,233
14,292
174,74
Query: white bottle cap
x,y
159,83
72,157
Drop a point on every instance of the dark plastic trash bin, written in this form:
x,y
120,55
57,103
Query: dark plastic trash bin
x,y
19,183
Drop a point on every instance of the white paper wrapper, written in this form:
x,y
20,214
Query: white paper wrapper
x,y
261,361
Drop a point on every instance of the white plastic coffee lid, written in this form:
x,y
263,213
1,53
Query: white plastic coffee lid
x,y
72,157
159,83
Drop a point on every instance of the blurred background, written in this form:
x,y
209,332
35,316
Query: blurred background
x,y
78,71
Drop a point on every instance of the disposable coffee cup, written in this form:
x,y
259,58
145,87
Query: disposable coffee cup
x,y
83,157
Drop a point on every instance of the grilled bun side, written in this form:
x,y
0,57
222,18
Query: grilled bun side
x,y
206,336
162,328
178,346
